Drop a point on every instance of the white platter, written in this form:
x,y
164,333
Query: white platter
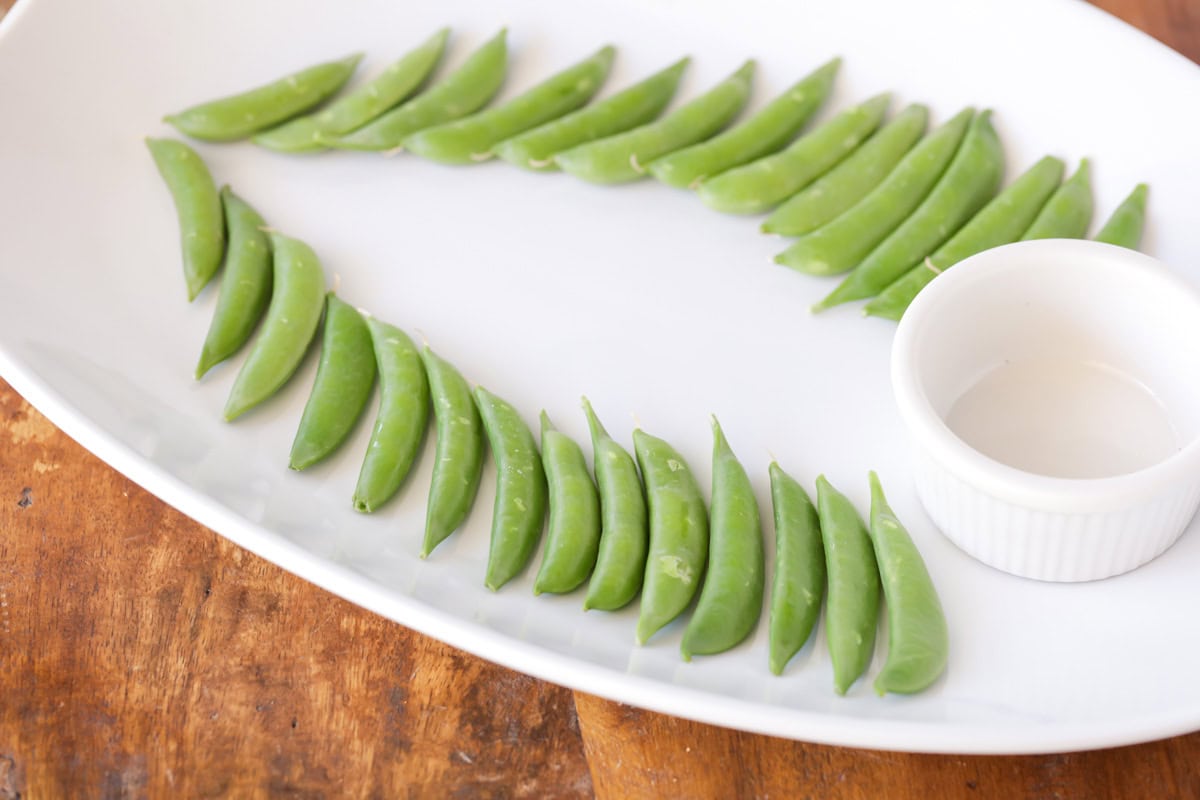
x,y
543,289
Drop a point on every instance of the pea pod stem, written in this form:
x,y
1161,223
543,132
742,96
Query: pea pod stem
x,y
918,637
731,597
624,537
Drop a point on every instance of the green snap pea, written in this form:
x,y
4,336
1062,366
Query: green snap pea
x,y
968,184
852,608
297,299
799,580
400,79
765,132
468,140
763,184
401,420
731,599
573,533
521,492
678,534
1068,212
240,115
246,286
623,157
1124,227
345,377
458,456
918,638
1000,222
198,207
636,105
841,244
624,537
851,180
463,92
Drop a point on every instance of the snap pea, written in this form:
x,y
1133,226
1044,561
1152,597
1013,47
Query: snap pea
x,y
851,180
458,457
198,207
636,105
799,580
521,492
462,92
401,420
400,79
345,377
842,243
297,298
1124,227
623,157
1068,212
678,534
1000,222
624,538
239,115
918,638
246,286
765,132
968,184
767,182
573,532
731,598
468,140
852,607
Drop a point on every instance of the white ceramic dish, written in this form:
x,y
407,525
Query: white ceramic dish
x,y
544,289
1052,389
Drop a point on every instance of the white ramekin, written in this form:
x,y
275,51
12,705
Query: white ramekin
x,y
1064,299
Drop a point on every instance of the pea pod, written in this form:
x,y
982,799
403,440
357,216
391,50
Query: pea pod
x,y
1068,212
623,157
851,180
969,183
841,244
636,105
401,420
521,493
462,92
1124,227
198,207
287,329
345,377
799,569
245,288
573,533
918,638
1000,222
678,534
767,182
471,139
852,607
731,598
765,132
240,115
400,79
621,560
458,457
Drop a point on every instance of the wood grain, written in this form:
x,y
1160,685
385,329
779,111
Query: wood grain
x,y
141,655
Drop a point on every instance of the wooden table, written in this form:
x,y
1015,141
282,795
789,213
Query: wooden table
x,y
143,655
